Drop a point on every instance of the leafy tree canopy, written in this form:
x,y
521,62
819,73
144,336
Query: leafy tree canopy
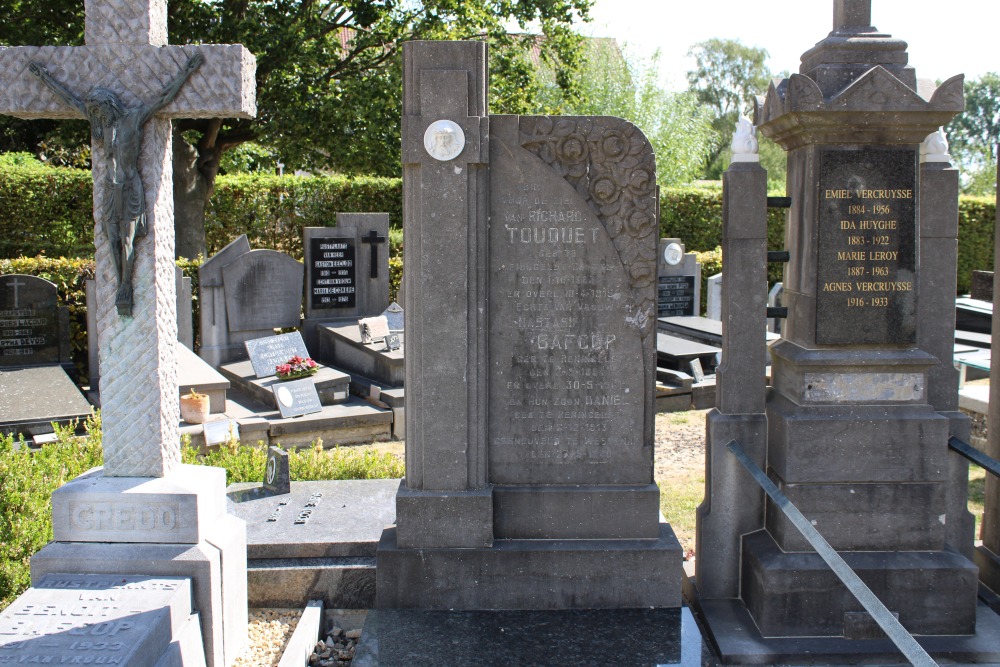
x,y
974,134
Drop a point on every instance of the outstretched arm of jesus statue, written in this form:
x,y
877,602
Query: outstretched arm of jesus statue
x,y
58,88
174,87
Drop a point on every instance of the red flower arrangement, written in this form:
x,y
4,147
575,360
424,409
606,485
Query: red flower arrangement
x,y
296,367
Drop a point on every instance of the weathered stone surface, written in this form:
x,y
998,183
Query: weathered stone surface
x,y
32,398
34,328
96,619
263,291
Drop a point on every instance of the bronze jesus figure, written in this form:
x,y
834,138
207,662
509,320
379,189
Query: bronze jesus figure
x,y
119,130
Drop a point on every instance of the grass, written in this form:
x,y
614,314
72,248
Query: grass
x,y
679,499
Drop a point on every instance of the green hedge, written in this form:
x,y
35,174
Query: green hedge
x,y
271,210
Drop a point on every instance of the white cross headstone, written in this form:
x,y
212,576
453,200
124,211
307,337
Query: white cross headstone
x,y
126,52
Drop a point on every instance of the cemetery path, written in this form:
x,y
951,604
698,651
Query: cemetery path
x,y
680,443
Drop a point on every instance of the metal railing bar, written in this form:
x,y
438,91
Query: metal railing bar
x,y
903,640
987,463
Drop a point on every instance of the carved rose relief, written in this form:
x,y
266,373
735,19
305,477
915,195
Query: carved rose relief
x,y
611,165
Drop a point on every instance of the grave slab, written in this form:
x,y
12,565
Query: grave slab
x,y
666,637
99,619
32,398
331,384
194,373
329,556
341,344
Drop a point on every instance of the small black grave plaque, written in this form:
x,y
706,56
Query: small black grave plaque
x,y
866,258
296,397
333,274
277,478
30,322
675,296
267,352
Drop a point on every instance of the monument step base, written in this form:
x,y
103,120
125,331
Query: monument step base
x,y
340,345
737,641
532,574
795,594
341,583
563,638
351,422
332,385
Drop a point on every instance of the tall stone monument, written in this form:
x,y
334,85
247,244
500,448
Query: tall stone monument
x,y
143,512
864,393
530,301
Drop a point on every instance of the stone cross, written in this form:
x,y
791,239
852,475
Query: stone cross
x,y
126,51
373,239
852,15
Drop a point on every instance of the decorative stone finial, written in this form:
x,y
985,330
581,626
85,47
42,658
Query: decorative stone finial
x,y
935,147
744,146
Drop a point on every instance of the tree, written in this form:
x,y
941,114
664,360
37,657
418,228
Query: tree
x,y
974,134
328,76
726,76
615,84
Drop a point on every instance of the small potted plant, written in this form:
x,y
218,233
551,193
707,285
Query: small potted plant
x,y
195,407
296,367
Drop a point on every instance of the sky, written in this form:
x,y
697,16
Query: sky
x,y
944,39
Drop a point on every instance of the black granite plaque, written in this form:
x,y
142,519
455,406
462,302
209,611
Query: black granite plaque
x,y
29,321
675,296
266,353
296,397
277,478
866,258
333,272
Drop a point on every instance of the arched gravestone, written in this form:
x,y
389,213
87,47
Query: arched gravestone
x,y
530,308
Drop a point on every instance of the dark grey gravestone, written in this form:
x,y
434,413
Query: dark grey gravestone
x,y
863,369
266,353
531,287
277,478
263,291
296,397
678,282
982,285
97,619
347,267
34,328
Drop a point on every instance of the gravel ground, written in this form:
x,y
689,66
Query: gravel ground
x,y
680,443
269,630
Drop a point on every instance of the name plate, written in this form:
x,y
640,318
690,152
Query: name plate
x,y
866,259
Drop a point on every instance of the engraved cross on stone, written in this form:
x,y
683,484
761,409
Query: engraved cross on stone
x,y
373,239
852,15
126,52
13,283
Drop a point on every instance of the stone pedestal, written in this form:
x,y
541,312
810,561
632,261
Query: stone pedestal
x,y
168,526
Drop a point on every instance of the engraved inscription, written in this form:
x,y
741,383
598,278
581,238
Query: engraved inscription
x,y
866,260
119,516
333,275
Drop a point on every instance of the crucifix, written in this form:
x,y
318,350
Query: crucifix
x,y
373,238
130,83
15,285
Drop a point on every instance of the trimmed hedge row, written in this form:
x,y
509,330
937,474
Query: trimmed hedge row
x,y
271,210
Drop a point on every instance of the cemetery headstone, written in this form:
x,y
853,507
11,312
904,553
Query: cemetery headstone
x,y
987,556
394,317
982,285
559,343
864,396
296,397
34,327
347,267
713,303
143,512
266,353
35,390
373,329
678,283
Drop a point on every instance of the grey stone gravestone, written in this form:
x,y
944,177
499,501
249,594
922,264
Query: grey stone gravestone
x,y
987,556
545,499
266,353
713,302
678,283
142,482
296,397
35,390
91,619
855,430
